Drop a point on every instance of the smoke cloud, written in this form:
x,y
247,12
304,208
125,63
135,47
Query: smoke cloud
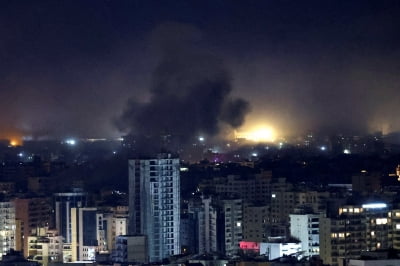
x,y
190,91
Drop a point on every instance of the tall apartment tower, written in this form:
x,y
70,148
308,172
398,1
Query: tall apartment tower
x,y
7,227
154,204
231,229
305,227
32,212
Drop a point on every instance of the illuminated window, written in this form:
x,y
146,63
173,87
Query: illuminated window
x,y
381,221
357,210
397,226
372,233
341,235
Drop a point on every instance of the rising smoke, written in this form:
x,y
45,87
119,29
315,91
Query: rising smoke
x,y
189,93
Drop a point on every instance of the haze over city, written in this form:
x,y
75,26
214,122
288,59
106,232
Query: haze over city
x,y
214,132
93,69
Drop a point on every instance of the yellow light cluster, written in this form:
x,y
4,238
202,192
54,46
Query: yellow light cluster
x,y
258,134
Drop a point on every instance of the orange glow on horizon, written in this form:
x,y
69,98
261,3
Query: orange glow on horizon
x,y
15,142
14,137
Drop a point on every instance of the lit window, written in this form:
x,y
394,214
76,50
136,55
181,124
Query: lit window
x,y
381,221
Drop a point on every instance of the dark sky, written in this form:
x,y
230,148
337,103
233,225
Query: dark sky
x,y
68,68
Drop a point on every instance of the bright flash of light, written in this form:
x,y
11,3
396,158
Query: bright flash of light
x,y
14,142
71,142
258,134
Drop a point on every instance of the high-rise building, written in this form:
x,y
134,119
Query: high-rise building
x,y
154,204
230,227
255,221
32,212
357,228
63,203
88,234
7,227
204,228
305,227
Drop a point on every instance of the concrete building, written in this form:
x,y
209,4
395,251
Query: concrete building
x,y
256,188
366,183
231,232
7,227
305,227
63,203
45,246
87,234
116,224
131,249
255,221
356,228
205,222
394,234
154,204
285,199
32,213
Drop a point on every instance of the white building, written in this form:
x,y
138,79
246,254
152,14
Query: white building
x,y
271,250
154,204
305,227
7,227
277,250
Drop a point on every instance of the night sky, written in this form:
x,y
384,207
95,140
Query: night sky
x,y
96,68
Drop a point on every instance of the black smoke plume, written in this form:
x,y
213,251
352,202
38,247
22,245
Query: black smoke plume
x,y
189,93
